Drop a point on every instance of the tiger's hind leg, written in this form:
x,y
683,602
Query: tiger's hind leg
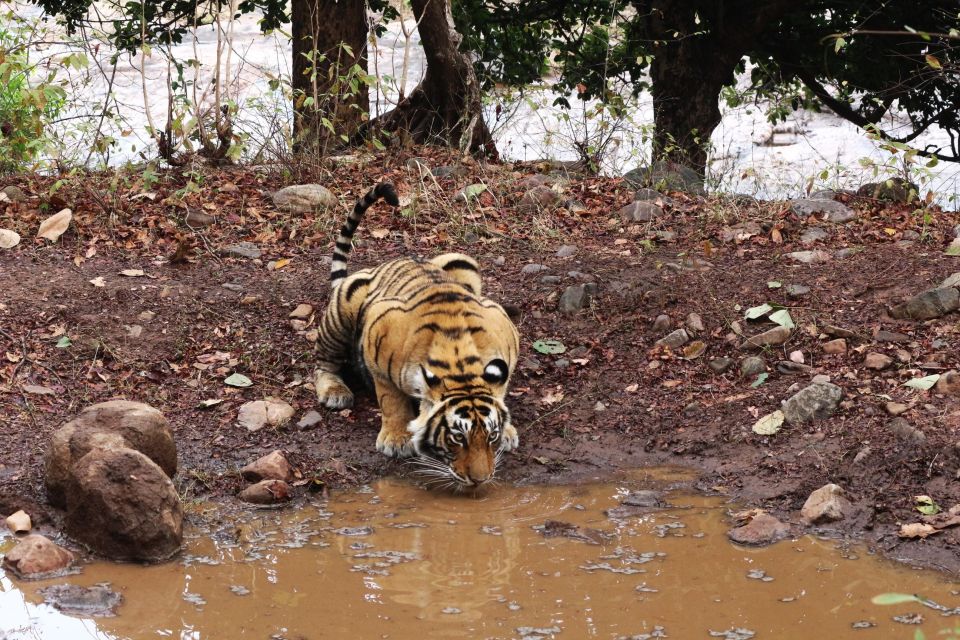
x,y
461,268
334,345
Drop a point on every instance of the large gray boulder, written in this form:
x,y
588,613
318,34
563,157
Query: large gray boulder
x,y
114,424
123,506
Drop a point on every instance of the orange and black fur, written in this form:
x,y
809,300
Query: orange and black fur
x,y
438,353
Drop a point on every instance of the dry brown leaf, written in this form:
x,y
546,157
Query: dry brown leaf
x,y
380,234
132,273
54,226
98,282
917,530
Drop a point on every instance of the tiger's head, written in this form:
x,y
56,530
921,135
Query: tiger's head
x,y
463,425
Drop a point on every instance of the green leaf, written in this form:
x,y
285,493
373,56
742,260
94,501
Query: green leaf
x,y
774,284
549,347
782,318
954,248
757,312
238,380
474,190
761,378
64,342
894,598
924,383
926,506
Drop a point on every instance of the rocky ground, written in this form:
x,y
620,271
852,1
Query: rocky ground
x,y
775,346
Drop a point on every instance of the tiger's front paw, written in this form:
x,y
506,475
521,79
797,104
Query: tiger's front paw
x,y
394,444
331,391
511,439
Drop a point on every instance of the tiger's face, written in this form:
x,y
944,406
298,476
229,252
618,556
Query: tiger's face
x,y
459,440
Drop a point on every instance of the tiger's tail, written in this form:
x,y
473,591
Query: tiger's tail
x,y
338,267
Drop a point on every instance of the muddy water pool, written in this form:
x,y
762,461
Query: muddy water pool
x,y
395,561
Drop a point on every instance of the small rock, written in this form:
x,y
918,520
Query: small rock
x,y
266,492
500,261
834,347
304,198
242,250
302,312
951,281
826,504
448,171
36,557
907,432
196,218
599,407
832,210
418,164
273,466
666,175
810,257
14,193
538,198
928,305
820,378
649,195
661,323
566,251
640,211
695,323
261,413
877,361
574,298
815,402
823,194
96,601
891,336
646,498
892,190
769,338
838,332
813,235
862,455
674,339
763,529
797,291
721,365
789,367
896,408
949,384
19,522
751,366
551,279
797,357
531,269
310,418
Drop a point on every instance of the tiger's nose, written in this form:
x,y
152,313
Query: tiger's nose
x,y
476,479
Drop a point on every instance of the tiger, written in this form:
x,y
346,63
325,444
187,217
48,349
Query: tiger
x,y
439,356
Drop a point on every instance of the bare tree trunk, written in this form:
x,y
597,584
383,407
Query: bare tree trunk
x,y
445,107
329,38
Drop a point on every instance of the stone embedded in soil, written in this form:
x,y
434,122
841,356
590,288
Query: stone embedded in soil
x,y
896,408
123,506
640,211
826,504
789,367
814,402
772,337
835,347
952,281
574,298
310,419
892,190
644,498
928,305
905,431
112,424
242,250
273,466
37,556
862,455
838,332
891,336
266,492
258,414
19,522
751,366
832,210
762,529
661,323
797,291
813,235
810,257
96,601
674,339
537,199
551,279
566,251
304,198
14,193
695,323
531,269
302,312
949,384
877,361
721,365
